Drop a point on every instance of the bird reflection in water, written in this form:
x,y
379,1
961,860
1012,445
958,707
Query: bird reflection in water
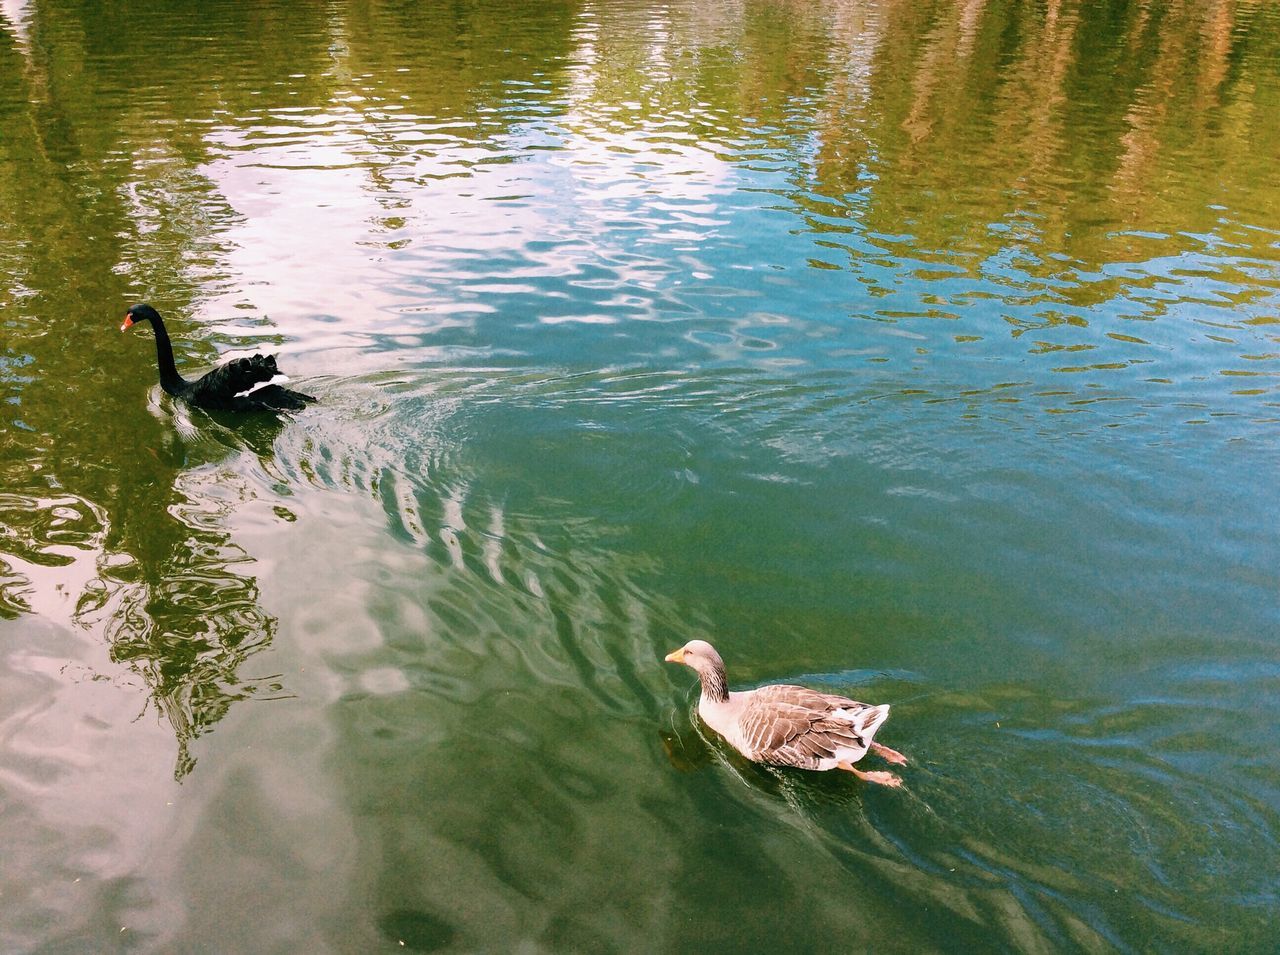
x,y
686,750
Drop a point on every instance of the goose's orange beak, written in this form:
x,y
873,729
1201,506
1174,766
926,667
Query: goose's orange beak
x,y
675,656
128,322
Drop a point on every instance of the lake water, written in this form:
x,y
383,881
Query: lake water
x,y
925,352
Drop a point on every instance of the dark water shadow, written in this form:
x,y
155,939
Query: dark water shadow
x,y
417,931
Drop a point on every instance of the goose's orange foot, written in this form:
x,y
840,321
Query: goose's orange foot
x,y
889,755
884,779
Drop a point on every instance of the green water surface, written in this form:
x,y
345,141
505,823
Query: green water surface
x,y
923,351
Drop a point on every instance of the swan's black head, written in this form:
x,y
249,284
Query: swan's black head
x,y
139,313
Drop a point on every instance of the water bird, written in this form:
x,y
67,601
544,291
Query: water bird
x,y
784,725
242,384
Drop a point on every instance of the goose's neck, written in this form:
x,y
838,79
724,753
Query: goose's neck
x,y
170,380
714,686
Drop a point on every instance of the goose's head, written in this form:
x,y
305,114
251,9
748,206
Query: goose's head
x,y
139,313
699,656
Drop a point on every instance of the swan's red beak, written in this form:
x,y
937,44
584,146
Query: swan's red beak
x,y
128,321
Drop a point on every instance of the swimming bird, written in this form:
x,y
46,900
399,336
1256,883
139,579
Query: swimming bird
x,y
785,725
242,384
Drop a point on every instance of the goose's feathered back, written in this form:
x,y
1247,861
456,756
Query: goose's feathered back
x,y
795,726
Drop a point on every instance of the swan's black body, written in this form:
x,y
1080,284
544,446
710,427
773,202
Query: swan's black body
x,y
222,389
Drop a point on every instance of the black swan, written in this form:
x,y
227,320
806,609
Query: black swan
x,y
239,385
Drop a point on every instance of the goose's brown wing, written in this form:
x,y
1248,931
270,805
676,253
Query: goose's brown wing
x,y
796,726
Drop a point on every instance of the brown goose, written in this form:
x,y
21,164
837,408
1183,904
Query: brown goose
x,y
788,725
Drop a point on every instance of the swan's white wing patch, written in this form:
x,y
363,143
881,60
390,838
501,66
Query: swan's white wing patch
x,y
277,380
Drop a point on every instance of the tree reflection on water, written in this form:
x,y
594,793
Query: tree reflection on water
x,y
185,613
158,576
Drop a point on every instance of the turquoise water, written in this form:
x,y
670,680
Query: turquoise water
x,y
924,353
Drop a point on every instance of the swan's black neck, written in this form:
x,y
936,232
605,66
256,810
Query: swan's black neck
x,y
170,380
714,685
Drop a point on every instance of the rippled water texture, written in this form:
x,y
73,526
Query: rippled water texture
x,y
924,352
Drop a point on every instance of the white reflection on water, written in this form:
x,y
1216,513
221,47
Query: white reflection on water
x,y
14,14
